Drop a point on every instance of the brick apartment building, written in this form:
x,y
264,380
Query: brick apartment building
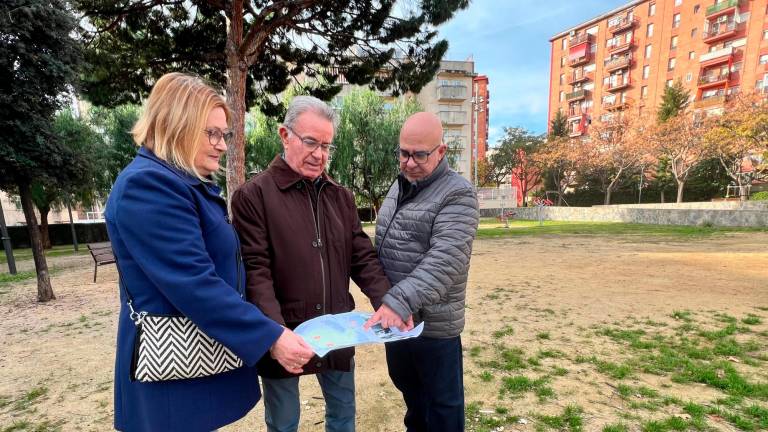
x,y
459,96
626,57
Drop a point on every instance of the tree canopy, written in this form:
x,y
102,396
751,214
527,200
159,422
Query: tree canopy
x,y
256,48
38,61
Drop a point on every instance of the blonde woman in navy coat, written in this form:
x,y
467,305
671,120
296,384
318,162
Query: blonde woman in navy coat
x,y
178,255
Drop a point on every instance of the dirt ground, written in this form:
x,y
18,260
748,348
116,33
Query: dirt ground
x,y
532,293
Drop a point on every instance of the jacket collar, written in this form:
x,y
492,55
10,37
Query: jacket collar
x,y
285,177
439,171
183,175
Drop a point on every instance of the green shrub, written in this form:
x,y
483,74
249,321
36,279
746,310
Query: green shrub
x,y
759,196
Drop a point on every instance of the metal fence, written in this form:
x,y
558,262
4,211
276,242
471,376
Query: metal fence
x,y
497,198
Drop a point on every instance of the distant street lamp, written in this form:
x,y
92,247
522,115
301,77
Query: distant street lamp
x,y
477,107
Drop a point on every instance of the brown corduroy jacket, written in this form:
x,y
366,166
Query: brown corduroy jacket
x,y
301,242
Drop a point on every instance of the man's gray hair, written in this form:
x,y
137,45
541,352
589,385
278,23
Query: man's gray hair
x,y
301,104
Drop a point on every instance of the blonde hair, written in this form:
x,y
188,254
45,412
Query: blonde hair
x,y
174,116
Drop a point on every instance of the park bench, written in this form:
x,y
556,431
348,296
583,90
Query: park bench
x,y
102,255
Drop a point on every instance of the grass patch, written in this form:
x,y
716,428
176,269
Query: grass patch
x,y
752,319
489,228
62,250
616,427
481,421
543,336
633,337
613,370
7,278
505,331
520,384
684,315
669,424
570,420
29,398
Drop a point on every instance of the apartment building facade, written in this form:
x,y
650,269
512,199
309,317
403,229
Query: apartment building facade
x,y
625,58
459,97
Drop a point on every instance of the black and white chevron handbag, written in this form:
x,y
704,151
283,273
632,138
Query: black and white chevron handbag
x,y
171,347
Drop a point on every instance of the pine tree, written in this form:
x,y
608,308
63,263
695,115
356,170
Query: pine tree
x,y
256,48
674,101
558,127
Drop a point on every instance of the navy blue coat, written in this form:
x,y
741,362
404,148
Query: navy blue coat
x,y
177,253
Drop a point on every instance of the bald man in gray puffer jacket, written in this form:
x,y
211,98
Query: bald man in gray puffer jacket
x,y
424,235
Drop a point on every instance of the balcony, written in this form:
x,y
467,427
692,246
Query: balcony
x,y
721,8
576,131
451,92
616,105
709,102
616,25
716,57
457,67
713,80
720,31
577,95
579,76
622,82
453,117
575,112
578,61
618,63
579,39
620,47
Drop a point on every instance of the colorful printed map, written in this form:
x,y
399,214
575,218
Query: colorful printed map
x,y
329,332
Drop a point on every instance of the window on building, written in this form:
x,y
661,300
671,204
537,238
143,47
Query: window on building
x,y
676,20
764,59
669,83
652,9
765,34
646,71
564,43
693,32
562,61
688,77
695,9
562,79
691,55
673,42
649,30
648,51
644,92
562,96
671,64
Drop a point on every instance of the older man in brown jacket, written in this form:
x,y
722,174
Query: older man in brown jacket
x,y
302,241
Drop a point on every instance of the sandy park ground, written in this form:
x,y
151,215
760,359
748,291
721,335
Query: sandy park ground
x,y
564,332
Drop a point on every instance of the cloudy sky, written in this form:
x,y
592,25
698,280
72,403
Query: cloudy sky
x,y
509,41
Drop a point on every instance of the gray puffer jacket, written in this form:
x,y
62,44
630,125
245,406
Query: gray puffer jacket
x,y
424,240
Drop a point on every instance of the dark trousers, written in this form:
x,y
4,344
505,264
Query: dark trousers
x,y
430,374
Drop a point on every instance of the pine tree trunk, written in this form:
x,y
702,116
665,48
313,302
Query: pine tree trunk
x,y
236,77
662,197
608,196
44,289
45,237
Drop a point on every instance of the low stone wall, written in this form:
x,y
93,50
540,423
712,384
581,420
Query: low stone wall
x,y
656,216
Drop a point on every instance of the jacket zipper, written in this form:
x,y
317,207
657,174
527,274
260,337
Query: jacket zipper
x,y
318,243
